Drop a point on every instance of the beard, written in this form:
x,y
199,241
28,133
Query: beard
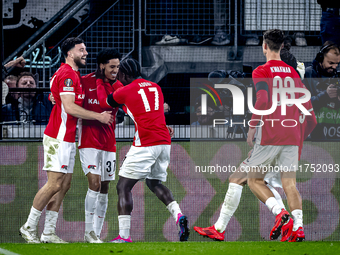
x,y
78,62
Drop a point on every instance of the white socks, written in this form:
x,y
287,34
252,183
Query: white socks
x,y
50,222
174,209
277,196
90,205
273,206
33,219
230,204
297,217
99,214
124,226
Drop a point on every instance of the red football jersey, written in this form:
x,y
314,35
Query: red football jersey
x,y
61,125
145,105
93,133
278,129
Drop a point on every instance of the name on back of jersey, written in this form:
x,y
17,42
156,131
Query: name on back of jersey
x,y
144,84
280,69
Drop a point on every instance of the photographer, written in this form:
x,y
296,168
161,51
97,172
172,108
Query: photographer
x,y
322,80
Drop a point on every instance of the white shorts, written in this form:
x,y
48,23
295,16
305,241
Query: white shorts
x,y
59,156
98,162
146,162
284,156
273,178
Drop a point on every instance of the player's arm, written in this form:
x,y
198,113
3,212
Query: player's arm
x,y
102,94
116,98
68,101
171,131
262,95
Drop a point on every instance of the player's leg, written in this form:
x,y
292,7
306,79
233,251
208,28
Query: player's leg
x,y
231,201
264,156
165,195
55,177
67,154
154,181
125,206
29,230
52,209
136,166
161,191
263,193
101,208
90,161
108,170
295,205
289,160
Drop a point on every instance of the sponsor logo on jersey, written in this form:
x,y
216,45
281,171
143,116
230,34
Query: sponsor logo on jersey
x,y
92,89
68,89
82,96
92,167
64,167
68,82
110,175
93,101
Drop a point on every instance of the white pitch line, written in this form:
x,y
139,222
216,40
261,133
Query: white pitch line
x,y
7,252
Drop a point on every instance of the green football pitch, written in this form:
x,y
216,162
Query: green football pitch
x,y
208,248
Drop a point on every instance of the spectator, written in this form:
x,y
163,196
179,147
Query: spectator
x,y
330,21
208,118
289,58
320,80
29,106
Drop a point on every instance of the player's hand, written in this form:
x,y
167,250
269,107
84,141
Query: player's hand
x,y
332,91
52,99
171,131
250,136
100,74
249,153
106,118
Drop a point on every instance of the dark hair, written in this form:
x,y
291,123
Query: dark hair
x,y
287,42
131,67
104,56
69,44
11,77
274,38
26,74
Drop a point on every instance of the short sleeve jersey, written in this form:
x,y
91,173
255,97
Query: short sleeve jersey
x,y
61,125
94,134
278,129
144,102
